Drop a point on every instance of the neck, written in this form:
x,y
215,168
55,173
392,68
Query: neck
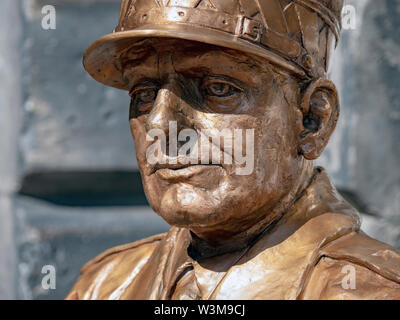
x,y
218,242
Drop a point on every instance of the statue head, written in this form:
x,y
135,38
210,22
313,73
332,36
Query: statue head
x,y
231,99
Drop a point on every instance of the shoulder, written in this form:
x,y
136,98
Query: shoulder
x,y
130,248
120,261
355,267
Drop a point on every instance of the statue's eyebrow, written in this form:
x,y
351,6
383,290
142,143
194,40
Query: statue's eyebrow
x,y
138,74
136,70
201,64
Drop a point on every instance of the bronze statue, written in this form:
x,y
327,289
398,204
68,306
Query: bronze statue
x,y
279,230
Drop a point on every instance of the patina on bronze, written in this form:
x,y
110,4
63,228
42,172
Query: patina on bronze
x,y
281,232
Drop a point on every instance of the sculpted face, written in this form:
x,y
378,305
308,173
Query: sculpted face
x,y
205,87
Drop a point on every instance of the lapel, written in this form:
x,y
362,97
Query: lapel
x,y
160,273
275,267
279,272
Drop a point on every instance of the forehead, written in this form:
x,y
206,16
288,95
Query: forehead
x,y
149,56
184,49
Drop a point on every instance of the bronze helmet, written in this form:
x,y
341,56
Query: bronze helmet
x,y
298,35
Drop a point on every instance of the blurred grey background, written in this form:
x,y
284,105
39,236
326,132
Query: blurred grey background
x,y
69,183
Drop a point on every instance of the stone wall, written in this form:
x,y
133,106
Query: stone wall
x,y
10,101
363,155
69,182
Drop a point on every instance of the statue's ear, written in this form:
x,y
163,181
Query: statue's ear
x,y
320,108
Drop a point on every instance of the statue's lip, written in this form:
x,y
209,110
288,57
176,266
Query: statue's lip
x,y
172,166
171,172
179,162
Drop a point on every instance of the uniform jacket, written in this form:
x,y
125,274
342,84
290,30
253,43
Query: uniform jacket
x,y
327,257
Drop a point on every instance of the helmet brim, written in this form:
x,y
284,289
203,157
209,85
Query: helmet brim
x,y
101,58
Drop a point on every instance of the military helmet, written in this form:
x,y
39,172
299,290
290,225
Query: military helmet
x,y
297,35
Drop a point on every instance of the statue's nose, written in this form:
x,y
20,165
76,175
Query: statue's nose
x,y
168,106
163,111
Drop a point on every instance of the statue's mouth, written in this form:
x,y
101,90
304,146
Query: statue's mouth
x,y
184,171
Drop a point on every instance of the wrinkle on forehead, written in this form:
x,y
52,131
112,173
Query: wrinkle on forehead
x,y
187,57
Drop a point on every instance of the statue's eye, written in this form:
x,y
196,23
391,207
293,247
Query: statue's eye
x,y
143,97
222,95
146,95
220,89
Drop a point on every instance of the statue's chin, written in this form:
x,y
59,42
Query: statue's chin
x,y
186,206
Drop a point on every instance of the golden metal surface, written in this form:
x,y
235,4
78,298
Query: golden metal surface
x,y
307,264
279,232
287,33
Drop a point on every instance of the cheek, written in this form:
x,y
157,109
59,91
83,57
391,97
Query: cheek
x,y
277,122
139,137
276,152
137,128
